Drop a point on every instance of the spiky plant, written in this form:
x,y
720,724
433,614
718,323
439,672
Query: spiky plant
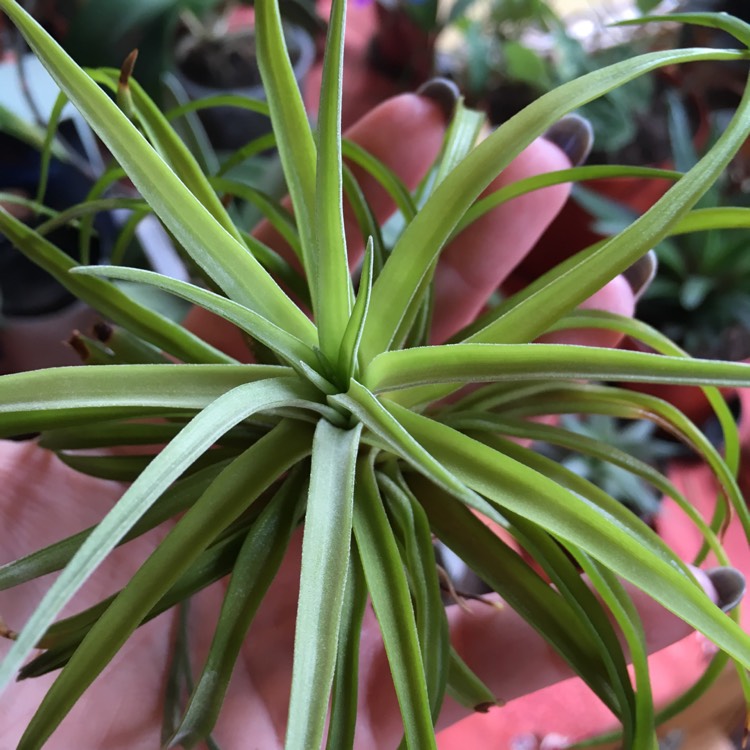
x,y
348,432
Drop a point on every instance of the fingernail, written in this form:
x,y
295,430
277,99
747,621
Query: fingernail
x,y
444,92
730,586
574,136
641,273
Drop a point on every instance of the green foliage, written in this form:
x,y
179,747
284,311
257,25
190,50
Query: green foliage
x,y
346,431
521,49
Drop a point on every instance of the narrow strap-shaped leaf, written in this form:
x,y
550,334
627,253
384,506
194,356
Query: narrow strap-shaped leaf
x,y
278,216
715,669
609,533
702,219
294,137
69,395
348,351
285,344
64,636
724,21
519,586
237,486
280,268
425,236
575,174
325,560
103,434
412,530
594,621
107,298
196,437
255,568
219,100
578,399
640,331
88,207
334,293
241,155
368,224
461,363
629,621
128,468
536,431
221,256
49,141
460,139
389,591
387,178
345,691
463,131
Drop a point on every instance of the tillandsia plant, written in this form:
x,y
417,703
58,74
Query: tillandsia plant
x,y
353,433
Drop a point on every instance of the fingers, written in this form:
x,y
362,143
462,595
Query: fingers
x,y
616,297
481,258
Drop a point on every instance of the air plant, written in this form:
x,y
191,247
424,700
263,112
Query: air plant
x,y
354,427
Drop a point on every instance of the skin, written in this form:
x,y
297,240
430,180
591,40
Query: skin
x,y
41,501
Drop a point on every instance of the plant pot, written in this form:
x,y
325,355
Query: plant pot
x,y
37,312
400,48
227,65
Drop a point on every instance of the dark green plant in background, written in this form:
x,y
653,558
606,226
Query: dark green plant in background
x,y
346,429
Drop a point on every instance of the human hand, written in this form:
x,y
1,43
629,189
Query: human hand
x,y
41,501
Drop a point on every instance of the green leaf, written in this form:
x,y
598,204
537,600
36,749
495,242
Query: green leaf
x,y
344,706
286,345
734,26
466,688
348,363
171,148
560,290
575,174
477,363
278,216
294,137
629,622
176,499
387,178
519,586
67,396
334,293
389,592
325,561
414,537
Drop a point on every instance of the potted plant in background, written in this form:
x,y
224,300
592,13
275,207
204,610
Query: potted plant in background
x,y
36,311
347,431
208,43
